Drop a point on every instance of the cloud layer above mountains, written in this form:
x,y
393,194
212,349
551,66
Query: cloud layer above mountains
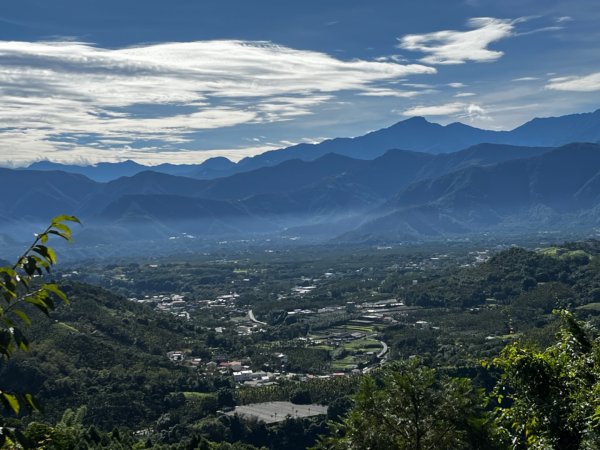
x,y
165,83
160,93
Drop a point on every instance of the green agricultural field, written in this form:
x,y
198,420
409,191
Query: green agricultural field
x,y
360,328
197,395
563,253
323,347
364,345
347,363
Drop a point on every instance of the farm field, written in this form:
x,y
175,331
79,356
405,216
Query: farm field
x,y
273,412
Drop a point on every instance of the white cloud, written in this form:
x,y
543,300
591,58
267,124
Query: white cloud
x,y
473,111
456,85
53,92
587,83
464,94
84,155
526,79
394,58
540,30
418,85
438,110
457,47
562,19
470,111
385,92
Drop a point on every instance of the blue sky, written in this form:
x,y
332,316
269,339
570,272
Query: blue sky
x,y
185,80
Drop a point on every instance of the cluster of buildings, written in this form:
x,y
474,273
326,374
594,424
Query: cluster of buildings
x,y
179,306
337,338
380,312
171,303
328,309
181,357
240,370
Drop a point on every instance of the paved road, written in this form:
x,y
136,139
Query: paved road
x,y
384,350
253,319
382,355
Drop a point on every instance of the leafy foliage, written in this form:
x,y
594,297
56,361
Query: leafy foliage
x,y
19,286
550,399
411,406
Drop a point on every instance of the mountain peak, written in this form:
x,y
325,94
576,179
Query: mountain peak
x,y
416,119
458,125
416,124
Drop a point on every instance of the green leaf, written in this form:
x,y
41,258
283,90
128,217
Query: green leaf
x,y
63,230
46,252
20,339
39,300
24,281
9,294
26,320
64,218
56,291
37,261
58,233
9,323
8,271
32,402
11,401
30,265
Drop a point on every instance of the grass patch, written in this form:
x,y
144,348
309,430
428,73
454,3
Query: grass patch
x,y
346,363
323,347
563,253
360,328
363,344
551,251
197,395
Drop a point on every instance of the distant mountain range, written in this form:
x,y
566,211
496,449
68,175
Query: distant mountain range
x,y
401,195
375,196
558,190
106,171
416,134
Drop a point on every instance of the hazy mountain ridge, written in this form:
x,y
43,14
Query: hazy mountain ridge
x,y
557,189
397,196
416,134
303,180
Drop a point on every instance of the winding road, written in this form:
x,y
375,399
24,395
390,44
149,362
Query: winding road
x,y
253,319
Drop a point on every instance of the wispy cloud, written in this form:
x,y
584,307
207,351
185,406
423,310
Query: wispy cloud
x,y
63,95
526,79
457,47
469,111
563,19
385,92
464,94
393,58
540,30
586,83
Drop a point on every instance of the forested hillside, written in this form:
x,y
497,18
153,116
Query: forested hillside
x,y
105,358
